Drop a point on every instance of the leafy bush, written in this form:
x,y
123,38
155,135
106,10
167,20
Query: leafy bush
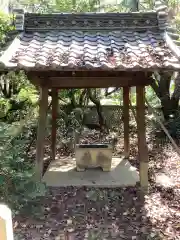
x,y
17,186
17,96
16,92
5,27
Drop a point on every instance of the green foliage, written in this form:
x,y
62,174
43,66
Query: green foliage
x,y
16,95
177,21
152,97
76,5
17,186
16,92
5,27
46,6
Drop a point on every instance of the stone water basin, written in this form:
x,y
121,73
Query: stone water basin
x,y
93,156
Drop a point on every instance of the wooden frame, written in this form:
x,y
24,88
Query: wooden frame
x,y
99,80
54,118
43,107
142,146
88,79
126,120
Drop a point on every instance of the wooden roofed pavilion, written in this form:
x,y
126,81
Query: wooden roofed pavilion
x,y
92,50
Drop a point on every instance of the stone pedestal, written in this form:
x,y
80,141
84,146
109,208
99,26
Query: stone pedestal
x,y
93,155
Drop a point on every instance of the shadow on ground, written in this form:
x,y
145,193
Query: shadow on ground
x,y
87,213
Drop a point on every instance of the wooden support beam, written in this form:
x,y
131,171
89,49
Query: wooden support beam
x,y
142,145
43,107
89,81
93,82
54,125
126,120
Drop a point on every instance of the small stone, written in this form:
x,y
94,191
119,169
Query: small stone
x,y
58,238
125,214
70,230
39,226
69,221
163,180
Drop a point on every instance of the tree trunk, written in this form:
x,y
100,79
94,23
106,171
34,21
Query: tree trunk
x,y
82,98
142,145
161,87
174,105
164,85
96,101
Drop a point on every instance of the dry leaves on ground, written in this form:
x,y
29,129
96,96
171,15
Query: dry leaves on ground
x,y
105,214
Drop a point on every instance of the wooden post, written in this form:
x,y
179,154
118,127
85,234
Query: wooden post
x,y
6,229
142,146
126,120
43,107
54,125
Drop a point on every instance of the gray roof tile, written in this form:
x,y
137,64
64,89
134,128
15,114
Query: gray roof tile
x,y
133,45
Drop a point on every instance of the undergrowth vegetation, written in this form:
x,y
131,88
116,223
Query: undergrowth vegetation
x,y
17,185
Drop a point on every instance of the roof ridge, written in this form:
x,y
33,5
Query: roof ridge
x,y
170,29
18,19
162,15
95,20
91,21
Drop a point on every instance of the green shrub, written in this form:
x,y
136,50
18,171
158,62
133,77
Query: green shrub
x,y
17,185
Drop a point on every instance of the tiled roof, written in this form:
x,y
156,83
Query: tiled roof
x,y
119,41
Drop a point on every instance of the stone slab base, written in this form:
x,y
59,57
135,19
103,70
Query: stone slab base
x,y
62,173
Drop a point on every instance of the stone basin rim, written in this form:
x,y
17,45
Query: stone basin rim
x,y
93,145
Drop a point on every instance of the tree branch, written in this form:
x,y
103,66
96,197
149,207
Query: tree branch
x,y
176,93
109,93
98,107
82,96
